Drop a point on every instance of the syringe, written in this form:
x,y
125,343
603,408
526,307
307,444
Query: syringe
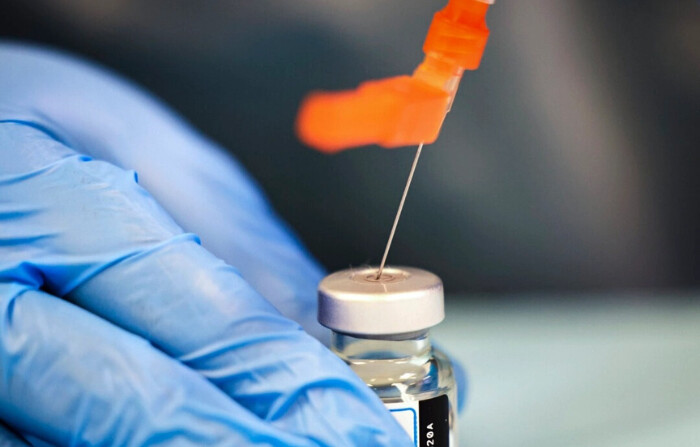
x,y
402,110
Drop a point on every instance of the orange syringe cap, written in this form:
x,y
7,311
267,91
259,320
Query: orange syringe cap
x,y
403,110
389,112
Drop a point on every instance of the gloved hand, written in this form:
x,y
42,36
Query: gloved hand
x,y
119,327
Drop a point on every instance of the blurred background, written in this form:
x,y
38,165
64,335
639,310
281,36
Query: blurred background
x,y
561,203
568,161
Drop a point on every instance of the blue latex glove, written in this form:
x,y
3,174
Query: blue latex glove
x,y
116,325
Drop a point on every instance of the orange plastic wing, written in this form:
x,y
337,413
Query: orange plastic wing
x,y
404,110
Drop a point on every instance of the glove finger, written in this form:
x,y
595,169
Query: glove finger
x,y
9,438
462,384
71,378
204,189
73,225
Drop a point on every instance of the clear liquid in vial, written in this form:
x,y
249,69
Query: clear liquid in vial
x,y
414,380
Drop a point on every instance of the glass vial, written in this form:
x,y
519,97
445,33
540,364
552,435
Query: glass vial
x,y
380,328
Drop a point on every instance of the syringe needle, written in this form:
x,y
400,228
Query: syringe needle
x,y
398,213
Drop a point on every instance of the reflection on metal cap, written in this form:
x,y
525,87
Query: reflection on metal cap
x,y
404,299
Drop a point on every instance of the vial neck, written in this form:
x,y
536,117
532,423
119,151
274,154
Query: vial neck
x,y
351,348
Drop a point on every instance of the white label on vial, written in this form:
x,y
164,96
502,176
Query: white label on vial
x,y
425,421
406,414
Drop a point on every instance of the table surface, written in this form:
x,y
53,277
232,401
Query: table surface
x,y
575,371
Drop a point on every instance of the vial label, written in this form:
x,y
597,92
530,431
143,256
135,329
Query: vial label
x,y
426,422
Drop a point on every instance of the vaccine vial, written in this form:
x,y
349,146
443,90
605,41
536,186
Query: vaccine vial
x,y
380,328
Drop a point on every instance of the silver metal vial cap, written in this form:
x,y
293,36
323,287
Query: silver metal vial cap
x,y
403,300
